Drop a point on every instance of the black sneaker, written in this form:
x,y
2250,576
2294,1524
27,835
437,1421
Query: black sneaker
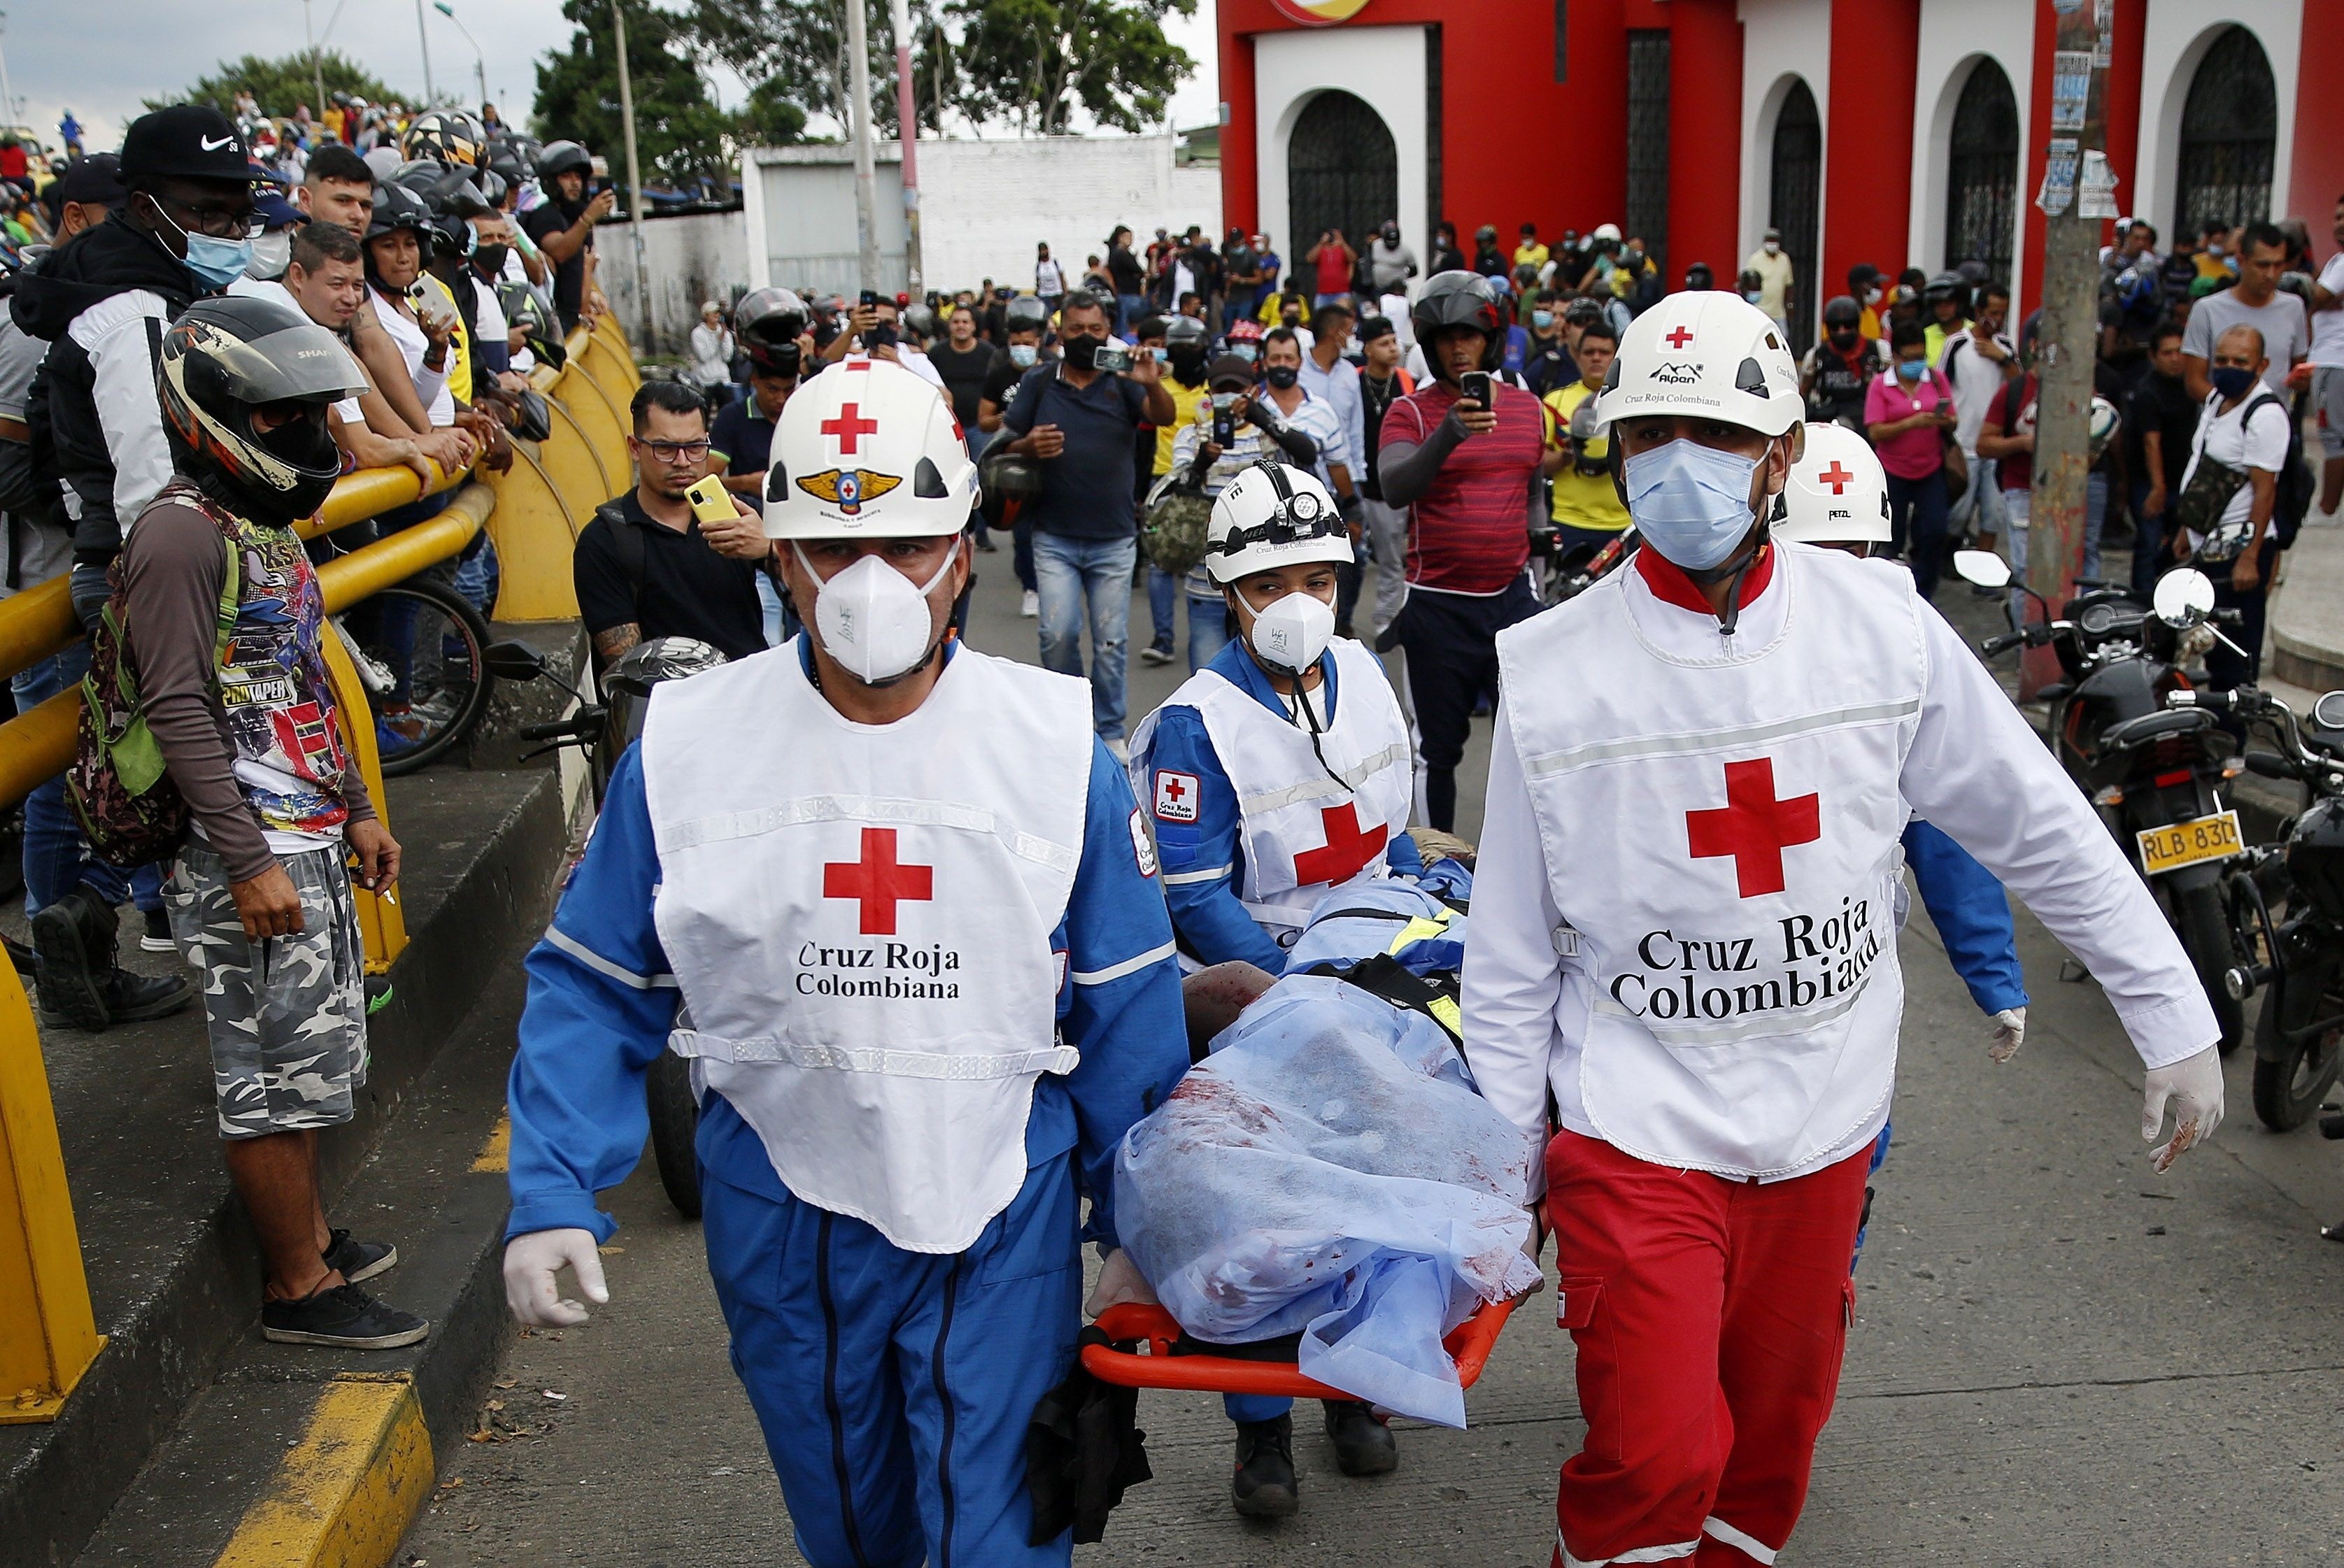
x,y
1363,1445
158,938
359,1259
343,1316
1156,652
69,986
20,953
135,998
1265,1486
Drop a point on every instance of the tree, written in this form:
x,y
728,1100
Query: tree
x,y
681,136
281,85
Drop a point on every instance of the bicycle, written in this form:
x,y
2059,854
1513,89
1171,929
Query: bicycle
x,y
420,649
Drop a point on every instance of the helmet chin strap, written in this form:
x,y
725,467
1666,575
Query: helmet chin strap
x,y
1732,571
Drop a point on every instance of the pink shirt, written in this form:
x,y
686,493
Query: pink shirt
x,y
1917,453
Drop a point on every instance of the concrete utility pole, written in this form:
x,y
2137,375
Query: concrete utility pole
x,y
2073,203
636,210
858,77
317,70
423,39
907,124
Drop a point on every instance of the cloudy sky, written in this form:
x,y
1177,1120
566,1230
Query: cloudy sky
x,y
101,58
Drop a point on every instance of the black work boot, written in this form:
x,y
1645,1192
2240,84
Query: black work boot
x,y
70,972
1265,1486
135,998
1363,1445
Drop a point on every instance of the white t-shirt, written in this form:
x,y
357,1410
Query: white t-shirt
x,y
2233,439
2328,326
412,346
1049,279
1975,381
348,409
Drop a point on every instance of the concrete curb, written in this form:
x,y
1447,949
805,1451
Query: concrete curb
x,y
347,1489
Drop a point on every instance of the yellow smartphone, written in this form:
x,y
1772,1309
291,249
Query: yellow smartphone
x,y
711,501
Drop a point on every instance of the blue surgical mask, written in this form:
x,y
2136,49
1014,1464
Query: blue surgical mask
x,y
1163,356
1243,351
1022,355
217,263
1691,503
1541,319
1911,369
2231,380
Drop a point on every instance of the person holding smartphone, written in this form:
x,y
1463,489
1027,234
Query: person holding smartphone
x,y
1464,451
1907,415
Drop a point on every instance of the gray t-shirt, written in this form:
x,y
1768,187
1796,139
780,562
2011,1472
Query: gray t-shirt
x,y
36,552
20,356
1392,263
2286,334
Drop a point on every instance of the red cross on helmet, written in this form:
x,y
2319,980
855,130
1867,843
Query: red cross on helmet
x,y
867,450
1837,492
1709,355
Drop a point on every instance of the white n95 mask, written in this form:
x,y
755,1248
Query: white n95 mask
x,y
873,619
1292,631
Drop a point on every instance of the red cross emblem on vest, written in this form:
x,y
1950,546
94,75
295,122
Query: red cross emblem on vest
x,y
849,426
1753,827
1347,851
1838,477
1680,336
878,881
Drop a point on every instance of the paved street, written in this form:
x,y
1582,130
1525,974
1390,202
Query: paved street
x,y
2059,1357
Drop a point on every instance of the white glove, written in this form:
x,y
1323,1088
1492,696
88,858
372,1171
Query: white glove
x,y
532,1261
2193,1085
2007,1033
1119,1281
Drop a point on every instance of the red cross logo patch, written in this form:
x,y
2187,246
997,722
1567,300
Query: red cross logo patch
x,y
1838,477
878,882
1347,851
1176,796
1679,338
1753,827
848,427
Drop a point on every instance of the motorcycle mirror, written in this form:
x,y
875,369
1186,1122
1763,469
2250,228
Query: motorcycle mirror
x,y
2329,711
1983,567
514,660
2183,597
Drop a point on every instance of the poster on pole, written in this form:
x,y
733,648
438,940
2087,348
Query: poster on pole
x,y
2096,196
2059,163
2104,17
2071,88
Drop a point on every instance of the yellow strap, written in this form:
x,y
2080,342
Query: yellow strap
x,y
1421,929
1448,1015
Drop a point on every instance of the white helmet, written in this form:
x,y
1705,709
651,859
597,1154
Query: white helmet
x,y
1837,492
1705,353
1273,515
867,450
1605,231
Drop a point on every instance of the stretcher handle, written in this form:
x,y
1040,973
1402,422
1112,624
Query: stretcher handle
x,y
1468,1345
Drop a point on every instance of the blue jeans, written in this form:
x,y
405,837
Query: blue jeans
x,y
2149,545
2095,517
1129,307
1087,576
1916,508
57,860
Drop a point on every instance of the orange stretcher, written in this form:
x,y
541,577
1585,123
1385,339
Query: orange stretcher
x,y
1151,1329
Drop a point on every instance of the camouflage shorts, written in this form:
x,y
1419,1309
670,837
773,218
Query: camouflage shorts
x,y
287,1019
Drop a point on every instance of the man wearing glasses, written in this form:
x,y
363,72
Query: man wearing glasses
x,y
646,567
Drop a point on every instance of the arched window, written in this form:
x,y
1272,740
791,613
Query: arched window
x,y
2228,129
1795,201
1342,171
1982,173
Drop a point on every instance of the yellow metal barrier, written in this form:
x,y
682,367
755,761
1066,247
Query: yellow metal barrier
x,y
48,1335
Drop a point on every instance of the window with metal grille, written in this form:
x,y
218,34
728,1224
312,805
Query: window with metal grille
x,y
1563,40
2228,129
1795,202
1342,171
1432,98
1648,142
1982,173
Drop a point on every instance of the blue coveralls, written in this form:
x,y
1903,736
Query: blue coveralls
x,y
1204,866
895,1387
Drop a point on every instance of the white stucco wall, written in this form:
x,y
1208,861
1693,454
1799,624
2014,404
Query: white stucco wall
x,y
2178,35
1384,68
1955,35
690,257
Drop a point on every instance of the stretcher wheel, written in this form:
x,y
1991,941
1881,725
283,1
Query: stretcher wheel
x,y
1151,1329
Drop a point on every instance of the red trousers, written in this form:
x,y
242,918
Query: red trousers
x,y
1710,1316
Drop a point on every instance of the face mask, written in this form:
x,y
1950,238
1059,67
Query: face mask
x,y
1691,503
1162,355
217,263
2215,251
873,619
2231,380
1282,376
1245,351
1293,631
1753,295
1910,370
1872,296
1082,353
490,260
1773,247
1635,258
1843,340
271,253
1541,319
1022,355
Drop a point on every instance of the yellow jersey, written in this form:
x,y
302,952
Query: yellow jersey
x,y
1581,500
1186,401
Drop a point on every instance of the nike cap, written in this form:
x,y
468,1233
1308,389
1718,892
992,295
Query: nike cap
x,y
186,141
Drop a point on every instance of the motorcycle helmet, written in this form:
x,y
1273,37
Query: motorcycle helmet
x,y
769,316
444,136
557,158
395,207
1460,300
919,320
1699,276
1840,313
526,308
532,420
230,354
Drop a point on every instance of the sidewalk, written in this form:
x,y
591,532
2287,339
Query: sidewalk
x,y
2306,649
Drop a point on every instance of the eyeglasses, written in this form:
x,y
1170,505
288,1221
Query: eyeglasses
x,y
676,451
217,222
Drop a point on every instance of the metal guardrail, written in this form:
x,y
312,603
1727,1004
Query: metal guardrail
x,y
48,1335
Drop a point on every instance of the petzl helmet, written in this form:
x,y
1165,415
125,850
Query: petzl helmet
x,y
1710,356
1460,300
1272,515
1837,492
867,450
228,356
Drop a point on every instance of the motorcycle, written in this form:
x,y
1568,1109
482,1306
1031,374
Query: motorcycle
x,y
603,731
2156,773
2300,1033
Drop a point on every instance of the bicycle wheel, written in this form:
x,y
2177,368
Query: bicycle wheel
x,y
427,644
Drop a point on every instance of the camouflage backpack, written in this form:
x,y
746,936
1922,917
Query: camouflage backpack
x,y
1173,531
130,809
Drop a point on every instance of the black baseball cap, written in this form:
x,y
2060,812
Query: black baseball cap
x,y
186,141
1376,327
1230,370
92,177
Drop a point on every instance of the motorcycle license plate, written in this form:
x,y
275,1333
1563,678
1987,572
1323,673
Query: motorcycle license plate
x,y
2191,842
